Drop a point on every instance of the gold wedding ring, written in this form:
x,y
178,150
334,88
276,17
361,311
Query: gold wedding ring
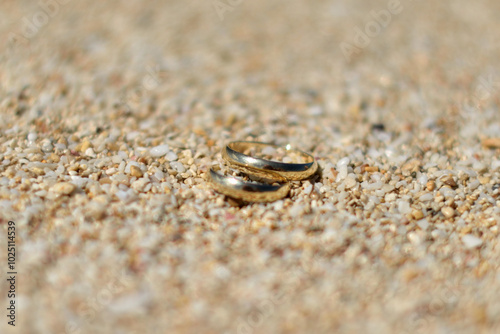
x,y
234,154
250,191
238,154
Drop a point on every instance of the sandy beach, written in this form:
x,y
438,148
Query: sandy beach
x,y
112,114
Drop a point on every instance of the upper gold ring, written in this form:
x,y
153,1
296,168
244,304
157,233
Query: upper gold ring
x,y
249,191
233,154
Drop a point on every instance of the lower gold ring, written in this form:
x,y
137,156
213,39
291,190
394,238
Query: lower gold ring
x,y
249,191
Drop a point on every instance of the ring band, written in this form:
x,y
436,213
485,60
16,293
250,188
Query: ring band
x,y
247,191
232,153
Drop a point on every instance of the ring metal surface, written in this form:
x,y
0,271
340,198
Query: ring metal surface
x,y
233,154
249,191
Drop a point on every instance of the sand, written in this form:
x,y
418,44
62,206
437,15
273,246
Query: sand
x,y
112,113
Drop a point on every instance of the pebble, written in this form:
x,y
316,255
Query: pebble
x,y
404,207
350,182
132,135
474,185
491,143
316,111
63,188
411,166
423,224
111,171
178,166
431,185
417,214
369,169
484,179
126,195
343,171
85,145
390,197
447,192
495,165
448,180
95,210
32,136
135,171
448,212
426,197
171,156
308,188
139,185
437,234
423,179
159,151
343,162
471,241
269,150
130,164
90,152
479,166
47,148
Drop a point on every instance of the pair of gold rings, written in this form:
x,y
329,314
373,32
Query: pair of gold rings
x,y
238,154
